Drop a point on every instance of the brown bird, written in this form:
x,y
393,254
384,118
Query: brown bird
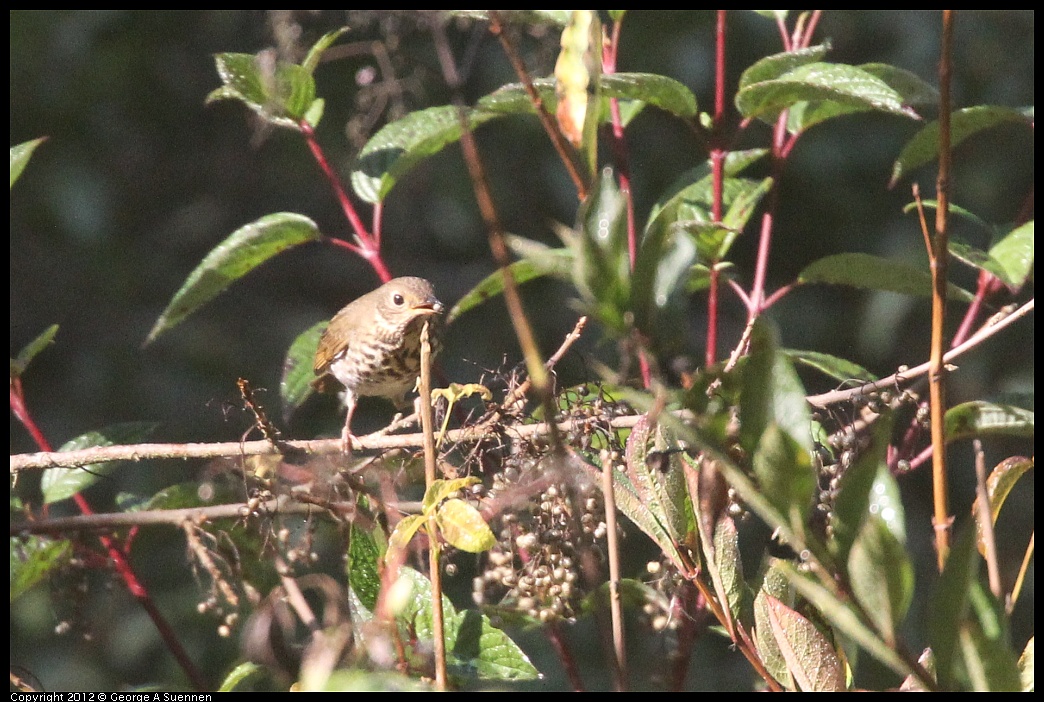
x,y
372,346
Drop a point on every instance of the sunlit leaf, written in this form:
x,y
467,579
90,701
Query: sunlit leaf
x,y
20,155
241,672
404,531
1014,255
999,484
311,60
774,586
816,82
845,618
777,65
402,144
296,384
443,490
810,657
243,251
463,527
282,93
977,419
1010,259
654,468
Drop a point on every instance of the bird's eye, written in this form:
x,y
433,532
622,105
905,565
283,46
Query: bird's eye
x,y
398,300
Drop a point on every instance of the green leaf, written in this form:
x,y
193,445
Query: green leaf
x,y
602,274
875,273
243,251
778,65
298,369
20,155
629,501
866,488
774,586
784,471
955,210
653,465
34,558
653,89
404,531
30,350
814,82
948,608
913,90
282,93
976,419
364,565
311,61
986,651
365,681
60,483
844,617
463,527
401,145
540,262
1014,256
476,650
999,484
924,146
810,657
689,197
699,276
881,576
240,673
839,369
772,394
441,490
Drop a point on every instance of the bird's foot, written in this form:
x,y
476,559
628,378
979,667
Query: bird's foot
x,y
347,438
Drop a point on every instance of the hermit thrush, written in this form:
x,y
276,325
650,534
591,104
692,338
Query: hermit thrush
x,y
372,346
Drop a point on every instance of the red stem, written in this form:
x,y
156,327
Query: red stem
x,y
366,245
114,550
717,156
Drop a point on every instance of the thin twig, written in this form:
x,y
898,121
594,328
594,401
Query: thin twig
x,y
558,140
434,548
989,329
141,452
613,547
985,518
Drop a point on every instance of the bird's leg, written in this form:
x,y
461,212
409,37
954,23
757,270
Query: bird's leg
x,y
346,434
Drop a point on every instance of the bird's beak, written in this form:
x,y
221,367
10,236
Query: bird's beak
x,y
427,308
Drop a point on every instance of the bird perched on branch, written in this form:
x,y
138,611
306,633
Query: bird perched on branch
x,y
372,346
